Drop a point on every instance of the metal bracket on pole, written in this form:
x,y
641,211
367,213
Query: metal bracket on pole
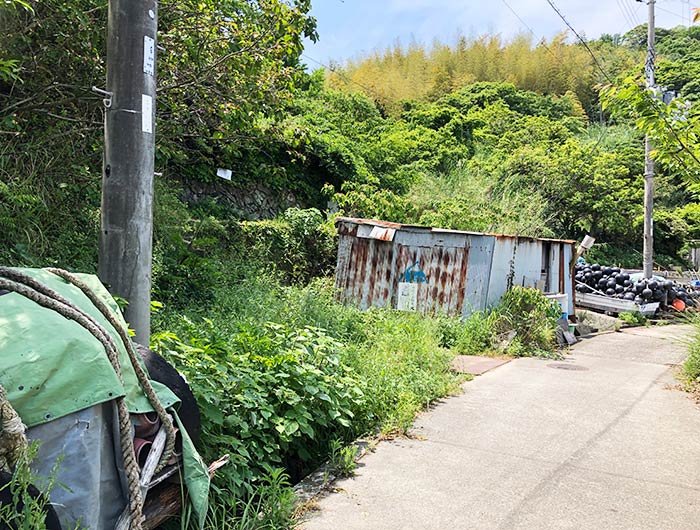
x,y
107,101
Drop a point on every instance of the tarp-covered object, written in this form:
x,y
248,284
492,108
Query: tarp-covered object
x,y
54,369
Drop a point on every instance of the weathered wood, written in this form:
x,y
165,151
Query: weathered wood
x,y
216,464
165,501
153,459
126,235
164,475
162,504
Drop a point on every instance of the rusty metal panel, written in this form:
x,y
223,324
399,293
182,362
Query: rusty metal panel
x,y
383,234
440,274
554,277
562,271
516,261
378,292
411,260
374,277
359,248
342,266
376,232
528,263
453,272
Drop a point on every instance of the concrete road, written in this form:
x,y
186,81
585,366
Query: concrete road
x,y
600,441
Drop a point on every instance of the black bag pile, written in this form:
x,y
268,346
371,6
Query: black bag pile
x,y
614,282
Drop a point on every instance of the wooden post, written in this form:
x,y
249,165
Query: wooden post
x,y
127,180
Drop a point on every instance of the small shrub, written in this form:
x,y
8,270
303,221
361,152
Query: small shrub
x,y
270,397
478,334
28,510
533,317
269,507
342,458
403,367
298,243
523,324
634,318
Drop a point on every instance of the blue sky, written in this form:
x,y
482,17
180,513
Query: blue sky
x,y
350,28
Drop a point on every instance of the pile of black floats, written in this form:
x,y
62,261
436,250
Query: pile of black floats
x,y
614,282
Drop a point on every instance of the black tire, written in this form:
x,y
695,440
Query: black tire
x,y
162,371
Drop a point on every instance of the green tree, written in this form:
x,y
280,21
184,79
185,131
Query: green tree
x,y
674,128
224,66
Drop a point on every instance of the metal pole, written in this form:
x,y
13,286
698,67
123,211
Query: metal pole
x,y
648,265
127,179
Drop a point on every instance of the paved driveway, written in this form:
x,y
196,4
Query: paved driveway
x,y
600,441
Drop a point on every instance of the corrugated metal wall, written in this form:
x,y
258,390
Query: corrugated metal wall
x,y
454,272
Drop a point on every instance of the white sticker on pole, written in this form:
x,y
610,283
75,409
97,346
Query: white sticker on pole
x,y
149,55
146,113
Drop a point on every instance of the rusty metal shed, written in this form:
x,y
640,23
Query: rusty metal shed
x,y
431,270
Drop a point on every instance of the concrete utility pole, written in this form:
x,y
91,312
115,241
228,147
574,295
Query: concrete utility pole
x,y
648,265
127,180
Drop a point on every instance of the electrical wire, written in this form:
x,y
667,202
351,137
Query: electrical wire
x,y
604,132
632,10
682,17
581,39
532,32
625,14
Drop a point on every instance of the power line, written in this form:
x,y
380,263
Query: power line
x,y
605,129
532,32
633,9
542,42
625,13
682,17
581,39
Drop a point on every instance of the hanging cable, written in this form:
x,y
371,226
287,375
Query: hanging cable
x,y
581,40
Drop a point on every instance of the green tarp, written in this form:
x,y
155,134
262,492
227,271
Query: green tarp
x,y
51,366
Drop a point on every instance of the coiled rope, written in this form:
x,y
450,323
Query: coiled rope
x,y
25,285
13,442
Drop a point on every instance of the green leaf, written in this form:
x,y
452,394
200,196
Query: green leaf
x,y
291,427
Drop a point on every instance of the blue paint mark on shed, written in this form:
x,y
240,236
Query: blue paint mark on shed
x,y
414,274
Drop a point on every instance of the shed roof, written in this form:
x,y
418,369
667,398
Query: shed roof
x,y
419,228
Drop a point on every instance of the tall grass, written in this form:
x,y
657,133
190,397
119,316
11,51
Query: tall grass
x,y
282,373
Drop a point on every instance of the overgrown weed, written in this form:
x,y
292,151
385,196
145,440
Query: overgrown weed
x,y
691,367
342,458
285,376
29,508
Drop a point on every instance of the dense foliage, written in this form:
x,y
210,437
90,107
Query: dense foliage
x,y
213,85
282,373
290,371
497,148
416,72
